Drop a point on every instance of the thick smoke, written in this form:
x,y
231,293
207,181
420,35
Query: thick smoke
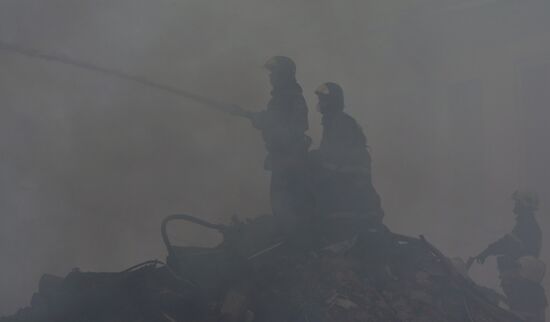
x,y
452,95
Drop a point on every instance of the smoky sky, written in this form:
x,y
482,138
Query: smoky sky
x,y
453,96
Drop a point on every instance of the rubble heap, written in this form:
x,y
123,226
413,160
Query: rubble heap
x,y
376,277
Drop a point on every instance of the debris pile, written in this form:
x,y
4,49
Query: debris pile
x,y
412,282
377,276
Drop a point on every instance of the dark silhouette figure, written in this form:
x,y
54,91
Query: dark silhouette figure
x,y
520,270
342,165
283,125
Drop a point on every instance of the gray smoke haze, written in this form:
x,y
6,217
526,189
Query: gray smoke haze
x,y
453,96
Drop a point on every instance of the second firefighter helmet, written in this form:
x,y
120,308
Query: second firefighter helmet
x,y
331,95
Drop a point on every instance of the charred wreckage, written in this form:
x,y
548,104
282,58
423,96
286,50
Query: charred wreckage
x,y
256,275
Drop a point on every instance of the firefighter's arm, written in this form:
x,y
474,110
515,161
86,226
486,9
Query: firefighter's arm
x,y
500,247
